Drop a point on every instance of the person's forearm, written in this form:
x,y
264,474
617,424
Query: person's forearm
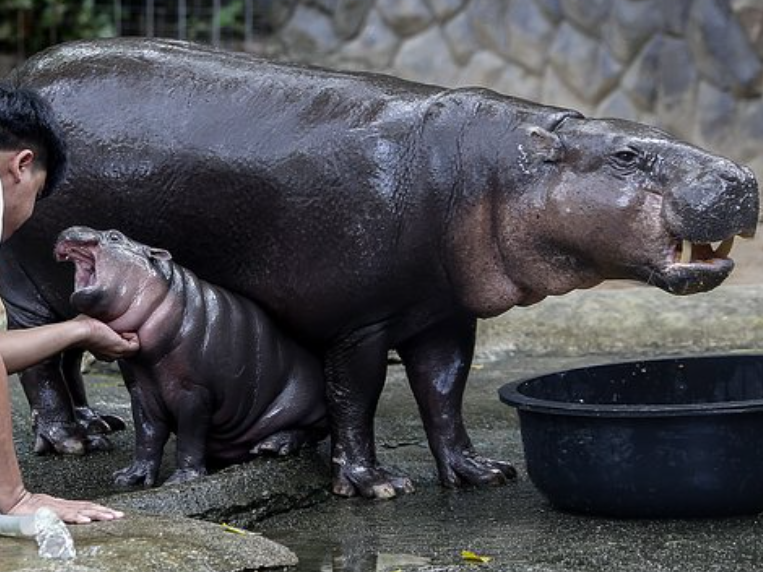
x,y
20,349
11,486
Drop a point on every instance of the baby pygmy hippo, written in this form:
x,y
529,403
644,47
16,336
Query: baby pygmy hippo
x,y
212,366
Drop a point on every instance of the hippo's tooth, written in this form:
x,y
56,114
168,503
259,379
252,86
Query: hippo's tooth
x,y
685,252
724,248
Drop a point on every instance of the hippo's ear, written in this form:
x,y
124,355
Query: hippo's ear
x,y
158,254
546,145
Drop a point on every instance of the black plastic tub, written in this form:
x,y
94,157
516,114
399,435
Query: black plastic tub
x,y
676,437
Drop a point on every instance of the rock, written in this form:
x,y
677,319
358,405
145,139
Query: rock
x,y
309,33
405,17
589,15
716,112
617,104
488,19
640,81
552,9
149,543
587,68
417,56
376,45
484,69
518,82
676,83
675,14
445,9
529,35
460,38
632,24
554,91
750,16
722,51
349,17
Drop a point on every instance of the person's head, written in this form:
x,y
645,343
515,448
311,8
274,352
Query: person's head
x,y
32,153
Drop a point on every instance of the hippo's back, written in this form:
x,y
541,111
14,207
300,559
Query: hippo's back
x,y
237,165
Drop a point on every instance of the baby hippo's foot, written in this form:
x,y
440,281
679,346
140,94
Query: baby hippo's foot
x,y
185,475
287,442
370,482
140,472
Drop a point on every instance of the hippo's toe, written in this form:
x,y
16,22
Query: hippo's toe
x,y
469,468
370,482
96,423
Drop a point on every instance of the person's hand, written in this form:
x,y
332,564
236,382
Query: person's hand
x,y
73,512
106,344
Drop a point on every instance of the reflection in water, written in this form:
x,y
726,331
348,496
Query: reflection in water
x,y
362,561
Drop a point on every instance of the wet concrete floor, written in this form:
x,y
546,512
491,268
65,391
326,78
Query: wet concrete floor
x,y
513,526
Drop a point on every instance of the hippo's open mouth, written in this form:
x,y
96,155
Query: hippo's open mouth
x,y
714,254
83,257
695,267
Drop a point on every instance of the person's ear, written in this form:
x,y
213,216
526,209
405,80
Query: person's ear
x,y
20,162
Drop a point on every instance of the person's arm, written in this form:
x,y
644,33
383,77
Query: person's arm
x,y
14,498
20,349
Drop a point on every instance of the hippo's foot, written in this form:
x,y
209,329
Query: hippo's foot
x,y
185,475
370,482
140,472
469,468
96,423
65,438
286,442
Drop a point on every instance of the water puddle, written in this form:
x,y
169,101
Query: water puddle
x,y
370,562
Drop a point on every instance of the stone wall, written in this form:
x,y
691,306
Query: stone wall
x,y
692,67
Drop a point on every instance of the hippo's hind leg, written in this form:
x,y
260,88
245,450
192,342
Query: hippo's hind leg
x,y
437,362
355,373
95,424
290,441
48,388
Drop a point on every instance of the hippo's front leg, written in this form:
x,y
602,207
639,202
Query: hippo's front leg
x,y
194,419
437,362
355,373
150,438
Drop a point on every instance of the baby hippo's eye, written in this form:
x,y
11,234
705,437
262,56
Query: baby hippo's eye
x,y
114,236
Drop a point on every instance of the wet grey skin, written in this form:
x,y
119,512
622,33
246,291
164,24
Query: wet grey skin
x,y
212,367
363,213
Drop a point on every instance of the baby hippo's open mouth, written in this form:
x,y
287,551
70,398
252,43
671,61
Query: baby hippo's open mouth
x,y
83,257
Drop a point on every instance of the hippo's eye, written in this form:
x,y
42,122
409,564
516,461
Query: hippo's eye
x,y
114,237
627,157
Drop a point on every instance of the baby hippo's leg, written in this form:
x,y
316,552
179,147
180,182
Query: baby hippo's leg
x,y
194,418
290,441
297,417
150,437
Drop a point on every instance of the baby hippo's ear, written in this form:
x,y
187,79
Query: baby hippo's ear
x,y
546,145
158,254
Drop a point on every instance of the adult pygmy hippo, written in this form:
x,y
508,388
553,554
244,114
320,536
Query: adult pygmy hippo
x,y
212,366
363,213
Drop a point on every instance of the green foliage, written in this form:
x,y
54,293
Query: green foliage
x,y
32,25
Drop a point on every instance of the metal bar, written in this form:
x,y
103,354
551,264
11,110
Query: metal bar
x,y
216,23
150,18
118,17
248,21
182,17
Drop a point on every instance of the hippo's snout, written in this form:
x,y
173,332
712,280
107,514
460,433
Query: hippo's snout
x,y
721,202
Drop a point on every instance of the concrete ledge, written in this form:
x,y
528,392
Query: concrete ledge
x,y
632,320
152,543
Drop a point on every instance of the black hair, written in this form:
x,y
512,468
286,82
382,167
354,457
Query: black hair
x,y
27,122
